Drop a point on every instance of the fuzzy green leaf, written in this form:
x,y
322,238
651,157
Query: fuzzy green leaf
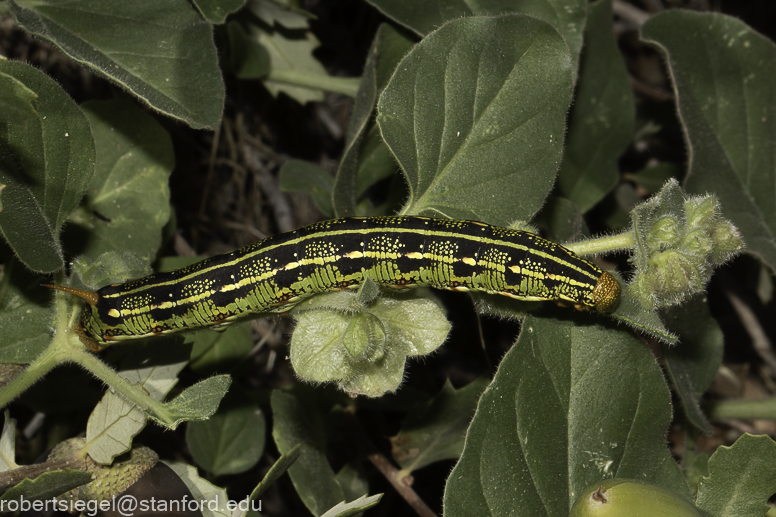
x,y
741,478
475,114
435,430
197,402
306,177
725,95
388,47
355,507
693,363
313,477
214,499
161,52
326,346
47,485
46,167
567,16
16,102
229,442
25,314
128,202
216,11
111,427
570,405
602,117
8,443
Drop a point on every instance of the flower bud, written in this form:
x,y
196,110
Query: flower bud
x,y
697,242
701,211
727,241
664,233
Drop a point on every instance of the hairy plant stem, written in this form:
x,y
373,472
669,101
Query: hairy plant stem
x,y
67,347
745,409
603,244
44,363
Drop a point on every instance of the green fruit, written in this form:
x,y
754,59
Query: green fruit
x,y
631,498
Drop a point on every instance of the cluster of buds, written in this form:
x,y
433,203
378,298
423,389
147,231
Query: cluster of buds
x,y
679,243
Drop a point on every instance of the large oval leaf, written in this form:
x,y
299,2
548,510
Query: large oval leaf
x,y
128,201
162,52
46,167
570,405
567,16
721,70
475,115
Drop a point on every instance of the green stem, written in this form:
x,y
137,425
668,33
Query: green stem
x,y
603,244
43,364
344,85
748,409
133,393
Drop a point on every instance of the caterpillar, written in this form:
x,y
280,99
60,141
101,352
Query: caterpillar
x,y
273,275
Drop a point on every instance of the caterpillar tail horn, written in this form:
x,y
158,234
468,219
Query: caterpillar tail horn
x,y
91,297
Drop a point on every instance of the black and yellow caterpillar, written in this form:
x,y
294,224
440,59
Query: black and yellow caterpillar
x,y
272,275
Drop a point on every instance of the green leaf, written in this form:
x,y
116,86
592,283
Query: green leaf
x,y
8,443
313,477
111,427
352,508
229,442
741,478
197,402
47,485
324,341
247,58
648,321
111,267
567,16
25,314
388,47
128,202
435,430
220,351
115,421
561,219
693,363
213,500
276,470
725,101
571,404
602,117
290,57
161,52
308,178
46,168
475,114
158,375
352,478
216,11
16,101
271,13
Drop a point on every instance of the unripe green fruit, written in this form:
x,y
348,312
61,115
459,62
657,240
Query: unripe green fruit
x,y
631,498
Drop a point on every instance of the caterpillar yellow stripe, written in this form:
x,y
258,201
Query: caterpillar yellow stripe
x,y
273,275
